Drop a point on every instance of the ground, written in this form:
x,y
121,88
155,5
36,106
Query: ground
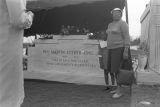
x,y
56,94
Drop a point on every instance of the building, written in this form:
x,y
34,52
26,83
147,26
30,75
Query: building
x,y
150,33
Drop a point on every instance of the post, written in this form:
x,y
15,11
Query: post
x,y
126,9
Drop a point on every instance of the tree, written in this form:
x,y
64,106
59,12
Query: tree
x,y
135,42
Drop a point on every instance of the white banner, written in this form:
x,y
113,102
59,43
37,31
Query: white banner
x,y
65,60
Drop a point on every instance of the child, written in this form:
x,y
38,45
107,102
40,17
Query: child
x,y
103,59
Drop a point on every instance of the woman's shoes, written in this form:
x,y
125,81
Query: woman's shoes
x,y
117,95
113,91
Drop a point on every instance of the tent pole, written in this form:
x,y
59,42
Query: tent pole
x,y
126,9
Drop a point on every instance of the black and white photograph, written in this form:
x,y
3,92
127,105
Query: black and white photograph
x,y
79,53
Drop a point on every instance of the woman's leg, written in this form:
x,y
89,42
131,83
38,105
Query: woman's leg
x,y
106,77
116,58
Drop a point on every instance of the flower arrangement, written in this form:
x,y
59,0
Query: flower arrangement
x,y
143,48
143,52
98,35
46,36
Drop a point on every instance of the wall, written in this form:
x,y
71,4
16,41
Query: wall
x,y
150,31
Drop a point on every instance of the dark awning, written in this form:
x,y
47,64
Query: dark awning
x,y
50,15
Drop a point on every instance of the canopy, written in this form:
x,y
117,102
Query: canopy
x,y
50,15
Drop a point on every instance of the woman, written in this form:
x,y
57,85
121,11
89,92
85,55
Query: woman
x,y
118,43
13,20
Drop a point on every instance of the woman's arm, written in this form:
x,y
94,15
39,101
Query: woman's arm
x,y
126,37
18,16
125,34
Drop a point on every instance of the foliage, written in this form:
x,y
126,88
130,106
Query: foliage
x,y
135,42
102,35
46,36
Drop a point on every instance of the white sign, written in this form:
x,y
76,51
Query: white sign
x,y
65,60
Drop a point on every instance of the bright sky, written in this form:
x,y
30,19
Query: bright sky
x,y
135,10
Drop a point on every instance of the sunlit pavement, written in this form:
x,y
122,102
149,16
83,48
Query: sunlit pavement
x,y
148,78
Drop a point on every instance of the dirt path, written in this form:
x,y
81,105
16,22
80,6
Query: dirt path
x,y
56,94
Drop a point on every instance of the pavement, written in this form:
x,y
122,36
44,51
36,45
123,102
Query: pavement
x,y
148,78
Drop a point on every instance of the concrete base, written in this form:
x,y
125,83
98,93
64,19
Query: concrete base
x,y
148,78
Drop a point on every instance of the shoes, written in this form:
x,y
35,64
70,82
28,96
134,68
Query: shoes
x,y
117,95
113,91
106,89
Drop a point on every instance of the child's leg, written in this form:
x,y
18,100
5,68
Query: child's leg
x,y
112,78
106,77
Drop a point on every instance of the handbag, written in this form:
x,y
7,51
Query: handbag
x,y
126,75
